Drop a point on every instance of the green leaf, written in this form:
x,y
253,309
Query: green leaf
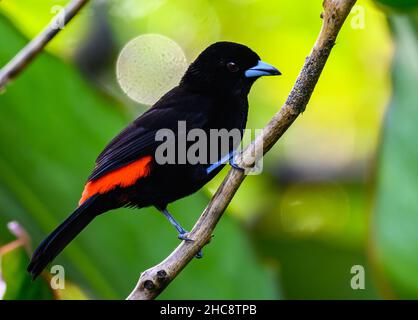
x,y
52,126
396,214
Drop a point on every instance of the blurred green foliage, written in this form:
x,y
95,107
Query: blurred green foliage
x,y
400,4
293,232
19,285
396,218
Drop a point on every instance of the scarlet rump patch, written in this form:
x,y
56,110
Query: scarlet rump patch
x,y
122,177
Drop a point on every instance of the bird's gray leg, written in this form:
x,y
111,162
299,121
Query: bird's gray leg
x,y
175,224
182,232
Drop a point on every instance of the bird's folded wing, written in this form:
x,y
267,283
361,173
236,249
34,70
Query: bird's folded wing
x,y
138,139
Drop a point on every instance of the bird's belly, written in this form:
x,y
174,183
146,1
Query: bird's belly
x,y
168,184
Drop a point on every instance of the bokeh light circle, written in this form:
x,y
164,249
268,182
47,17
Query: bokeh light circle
x,y
149,66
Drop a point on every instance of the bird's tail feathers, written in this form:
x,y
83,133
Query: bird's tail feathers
x,y
62,235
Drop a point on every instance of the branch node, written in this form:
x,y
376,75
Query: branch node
x,y
149,285
162,276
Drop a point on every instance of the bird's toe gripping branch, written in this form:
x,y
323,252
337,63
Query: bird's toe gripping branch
x,y
234,164
185,237
183,233
230,157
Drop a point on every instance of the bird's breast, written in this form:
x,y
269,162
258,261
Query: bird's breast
x,y
231,113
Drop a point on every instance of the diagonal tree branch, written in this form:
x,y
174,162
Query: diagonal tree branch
x,y
154,280
31,50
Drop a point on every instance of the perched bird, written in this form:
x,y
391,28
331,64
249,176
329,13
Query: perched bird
x,y
211,95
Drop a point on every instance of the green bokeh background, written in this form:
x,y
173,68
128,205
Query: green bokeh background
x,y
338,190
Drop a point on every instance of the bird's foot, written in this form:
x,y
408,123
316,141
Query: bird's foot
x,y
185,237
183,234
234,165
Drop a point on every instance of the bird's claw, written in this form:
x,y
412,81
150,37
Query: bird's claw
x,y
233,163
235,166
199,255
185,237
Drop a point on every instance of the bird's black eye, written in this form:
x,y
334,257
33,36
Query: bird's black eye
x,y
232,66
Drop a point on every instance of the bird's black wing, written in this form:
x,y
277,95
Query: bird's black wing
x,y
138,139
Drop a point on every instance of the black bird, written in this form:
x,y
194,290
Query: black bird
x,y
211,95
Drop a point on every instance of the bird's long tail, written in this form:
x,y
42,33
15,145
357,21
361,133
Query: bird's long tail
x,y
62,235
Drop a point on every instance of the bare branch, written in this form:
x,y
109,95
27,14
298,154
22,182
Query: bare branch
x,y
31,50
153,281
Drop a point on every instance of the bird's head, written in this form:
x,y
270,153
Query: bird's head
x,y
225,67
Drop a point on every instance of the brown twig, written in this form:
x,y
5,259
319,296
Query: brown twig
x,y
31,50
23,239
153,281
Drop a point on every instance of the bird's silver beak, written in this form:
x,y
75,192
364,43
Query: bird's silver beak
x,y
262,69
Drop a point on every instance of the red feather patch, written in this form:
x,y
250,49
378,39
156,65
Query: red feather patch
x,y
122,177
